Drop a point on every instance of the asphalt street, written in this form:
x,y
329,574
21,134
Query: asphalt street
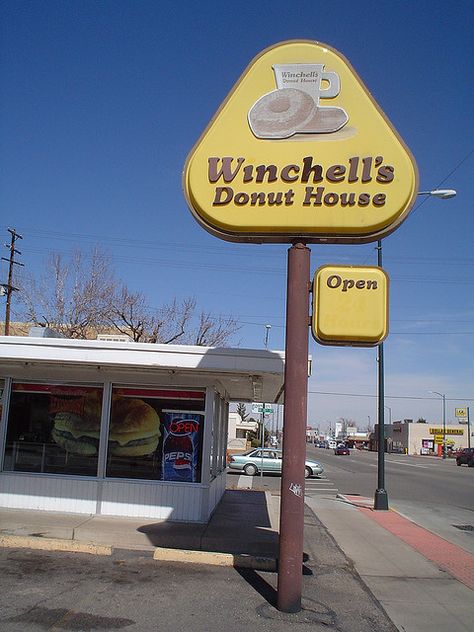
x,y
56,591
433,492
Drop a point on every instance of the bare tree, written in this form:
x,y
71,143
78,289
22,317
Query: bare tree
x,y
128,313
70,296
80,297
170,322
242,411
214,331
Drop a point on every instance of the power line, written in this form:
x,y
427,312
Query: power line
x,y
435,399
241,251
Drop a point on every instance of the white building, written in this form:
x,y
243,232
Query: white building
x,y
237,432
424,438
114,428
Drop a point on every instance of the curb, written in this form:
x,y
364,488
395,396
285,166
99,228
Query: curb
x,y
53,544
161,554
356,501
238,560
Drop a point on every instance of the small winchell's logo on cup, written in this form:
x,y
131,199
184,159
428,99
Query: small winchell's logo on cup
x,y
294,107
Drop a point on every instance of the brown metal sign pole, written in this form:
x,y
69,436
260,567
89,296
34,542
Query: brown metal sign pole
x,y
290,563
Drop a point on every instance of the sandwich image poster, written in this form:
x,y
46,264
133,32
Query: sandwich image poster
x,y
181,447
76,419
151,434
134,427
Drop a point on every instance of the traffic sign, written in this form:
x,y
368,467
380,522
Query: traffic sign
x,y
258,409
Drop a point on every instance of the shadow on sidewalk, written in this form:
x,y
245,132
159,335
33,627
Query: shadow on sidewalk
x,y
240,524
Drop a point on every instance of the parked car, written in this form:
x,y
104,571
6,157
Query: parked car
x,y
342,449
465,456
268,460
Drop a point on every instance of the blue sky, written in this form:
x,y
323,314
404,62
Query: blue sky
x,y
102,101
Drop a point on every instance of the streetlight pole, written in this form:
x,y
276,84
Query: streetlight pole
x,y
381,498
443,397
262,437
442,194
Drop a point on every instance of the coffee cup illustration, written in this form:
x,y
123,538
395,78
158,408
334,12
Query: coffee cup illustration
x,y
294,107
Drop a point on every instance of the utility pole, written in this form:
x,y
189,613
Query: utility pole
x,y
8,286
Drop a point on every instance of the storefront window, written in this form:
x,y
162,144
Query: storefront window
x,y
53,429
2,395
156,434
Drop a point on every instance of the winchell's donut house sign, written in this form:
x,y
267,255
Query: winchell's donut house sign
x,y
300,150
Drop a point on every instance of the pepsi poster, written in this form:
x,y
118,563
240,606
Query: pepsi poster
x,y
181,459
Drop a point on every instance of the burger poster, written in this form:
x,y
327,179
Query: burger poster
x,y
152,434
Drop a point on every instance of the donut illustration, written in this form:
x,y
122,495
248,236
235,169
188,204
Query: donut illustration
x,y
281,113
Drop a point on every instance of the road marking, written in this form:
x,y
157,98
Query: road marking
x,y
425,467
317,481
245,481
323,489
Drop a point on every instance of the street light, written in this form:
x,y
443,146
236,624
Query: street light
x,y
442,194
443,397
381,497
267,333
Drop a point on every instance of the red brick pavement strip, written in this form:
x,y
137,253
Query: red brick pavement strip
x,y
449,557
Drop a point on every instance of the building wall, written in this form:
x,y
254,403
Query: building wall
x,y
415,437
427,432
237,432
28,482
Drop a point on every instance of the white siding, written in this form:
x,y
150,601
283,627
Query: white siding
x,y
136,499
49,493
176,502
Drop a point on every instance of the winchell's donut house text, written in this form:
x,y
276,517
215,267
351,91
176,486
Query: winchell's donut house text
x,y
357,170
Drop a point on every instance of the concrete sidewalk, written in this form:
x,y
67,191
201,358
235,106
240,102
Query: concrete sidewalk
x,y
243,530
419,580
422,581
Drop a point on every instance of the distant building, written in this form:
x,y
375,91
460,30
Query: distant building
x,y
237,432
410,437
356,439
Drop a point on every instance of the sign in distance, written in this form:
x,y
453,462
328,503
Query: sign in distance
x,y
447,431
260,409
350,305
300,150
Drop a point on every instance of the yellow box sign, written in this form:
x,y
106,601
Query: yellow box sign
x,y
350,305
460,412
300,149
448,431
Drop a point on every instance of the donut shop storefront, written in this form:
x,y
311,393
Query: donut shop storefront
x,y
122,428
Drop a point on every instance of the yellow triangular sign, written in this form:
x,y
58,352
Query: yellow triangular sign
x,y
299,150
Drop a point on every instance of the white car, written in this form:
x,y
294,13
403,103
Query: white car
x,y
268,460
